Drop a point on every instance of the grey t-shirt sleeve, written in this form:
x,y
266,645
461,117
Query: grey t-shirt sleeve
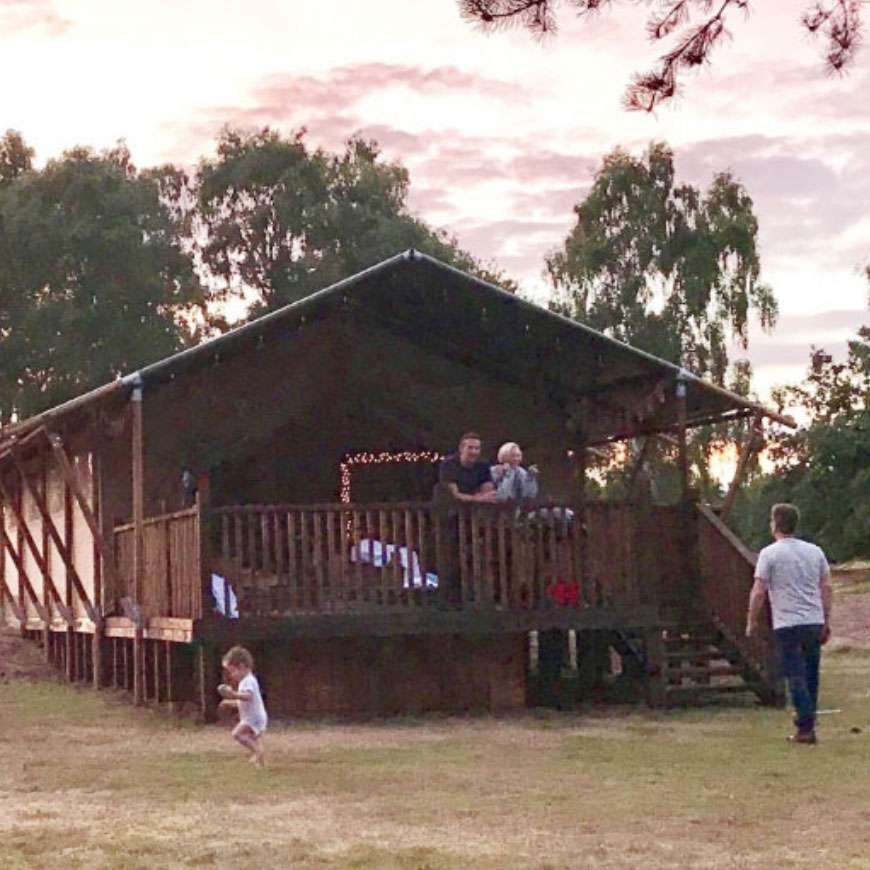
x,y
762,566
824,568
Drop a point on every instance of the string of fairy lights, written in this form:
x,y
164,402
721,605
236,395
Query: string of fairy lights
x,y
384,457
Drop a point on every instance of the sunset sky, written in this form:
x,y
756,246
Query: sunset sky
x,y
501,133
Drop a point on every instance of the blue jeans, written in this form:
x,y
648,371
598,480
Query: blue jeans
x,y
800,649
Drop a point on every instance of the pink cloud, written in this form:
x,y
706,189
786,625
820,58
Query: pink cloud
x,y
18,16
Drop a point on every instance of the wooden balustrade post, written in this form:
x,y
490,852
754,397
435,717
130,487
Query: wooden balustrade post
x,y
203,544
578,492
682,437
138,471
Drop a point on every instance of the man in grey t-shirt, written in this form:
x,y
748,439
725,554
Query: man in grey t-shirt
x,y
794,574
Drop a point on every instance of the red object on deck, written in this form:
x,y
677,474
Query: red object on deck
x,y
564,594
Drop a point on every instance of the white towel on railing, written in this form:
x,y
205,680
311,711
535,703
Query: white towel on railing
x,y
223,593
378,554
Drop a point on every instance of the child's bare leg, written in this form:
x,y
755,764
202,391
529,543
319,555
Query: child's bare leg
x,y
257,754
243,735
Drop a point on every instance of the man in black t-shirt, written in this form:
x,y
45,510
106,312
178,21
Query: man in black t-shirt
x,y
465,479
465,476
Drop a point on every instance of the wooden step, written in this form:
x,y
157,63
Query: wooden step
x,y
694,640
690,643
693,655
708,690
714,671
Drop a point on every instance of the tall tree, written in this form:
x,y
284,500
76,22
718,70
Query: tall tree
x,y
16,156
281,220
696,26
824,466
662,266
673,271
94,278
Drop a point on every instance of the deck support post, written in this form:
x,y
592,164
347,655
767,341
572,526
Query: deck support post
x,y
203,519
654,646
577,425
138,469
682,438
169,694
207,675
97,657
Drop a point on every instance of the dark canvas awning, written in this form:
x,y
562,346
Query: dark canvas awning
x,y
588,381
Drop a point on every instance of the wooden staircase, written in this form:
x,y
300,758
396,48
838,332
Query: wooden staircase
x,y
700,666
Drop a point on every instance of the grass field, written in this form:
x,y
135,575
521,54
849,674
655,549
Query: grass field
x,y
86,781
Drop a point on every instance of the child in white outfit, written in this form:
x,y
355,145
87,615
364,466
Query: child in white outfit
x,y
246,698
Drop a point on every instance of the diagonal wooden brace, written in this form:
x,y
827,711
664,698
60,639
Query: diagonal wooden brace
x,y
47,579
20,615
53,533
23,579
73,483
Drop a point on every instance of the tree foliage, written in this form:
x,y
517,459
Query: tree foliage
x,y
283,220
673,271
94,280
104,267
824,466
662,266
696,28
16,157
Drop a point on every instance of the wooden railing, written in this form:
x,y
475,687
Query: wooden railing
x,y
172,577
727,568
283,560
290,559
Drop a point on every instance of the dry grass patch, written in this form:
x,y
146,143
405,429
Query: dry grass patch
x,y
89,782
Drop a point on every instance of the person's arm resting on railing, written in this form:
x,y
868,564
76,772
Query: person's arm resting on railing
x,y
486,493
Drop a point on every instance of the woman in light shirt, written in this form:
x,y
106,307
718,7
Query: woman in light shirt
x,y
513,483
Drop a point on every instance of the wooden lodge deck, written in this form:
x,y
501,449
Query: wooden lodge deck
x,y
396,596
414,568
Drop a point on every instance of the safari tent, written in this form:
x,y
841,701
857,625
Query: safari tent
x,y
273,487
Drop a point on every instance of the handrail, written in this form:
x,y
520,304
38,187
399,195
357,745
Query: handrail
x,y
158,518
727,569
530,504
749,555
172,583
284,560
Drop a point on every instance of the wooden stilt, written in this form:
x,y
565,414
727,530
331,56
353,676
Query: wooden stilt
x,y
138,665
655,657
70,655
169,695
207,680
155,666
97,658
138,482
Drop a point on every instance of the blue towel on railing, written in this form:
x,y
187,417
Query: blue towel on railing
x,y
223,593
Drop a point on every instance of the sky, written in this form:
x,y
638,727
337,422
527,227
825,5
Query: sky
x,y
501,134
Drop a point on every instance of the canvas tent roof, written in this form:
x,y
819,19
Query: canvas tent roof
x,y
602,386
